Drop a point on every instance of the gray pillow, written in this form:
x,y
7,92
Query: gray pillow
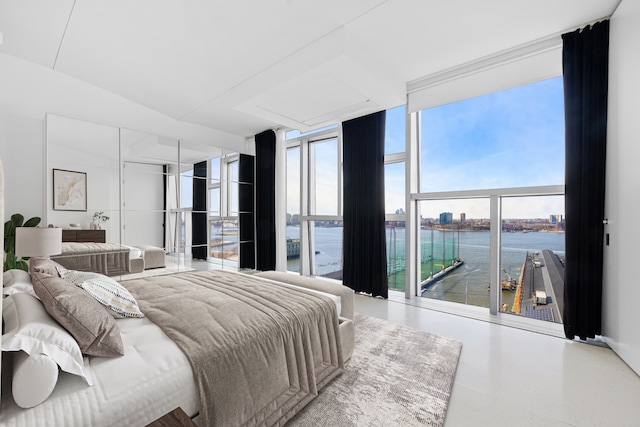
x,y
91,325
43,265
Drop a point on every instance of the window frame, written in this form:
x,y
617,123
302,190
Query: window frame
x,y
307,192
414,178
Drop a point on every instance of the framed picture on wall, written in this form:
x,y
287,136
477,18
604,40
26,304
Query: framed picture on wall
x,y
69,190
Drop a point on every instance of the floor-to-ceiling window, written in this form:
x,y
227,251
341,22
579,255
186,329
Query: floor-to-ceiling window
x,y
491,201
395,195
314,202
293,208
222,194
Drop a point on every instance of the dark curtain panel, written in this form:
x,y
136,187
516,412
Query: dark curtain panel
x,y
364,243
585,70
265,200
199,227
246,206
165,172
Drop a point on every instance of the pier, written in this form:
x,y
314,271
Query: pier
x,y
439,275
542,275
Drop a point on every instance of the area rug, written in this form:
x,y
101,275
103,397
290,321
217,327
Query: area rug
x,y
169,268
398,376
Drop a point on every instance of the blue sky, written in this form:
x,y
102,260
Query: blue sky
x,y
512,138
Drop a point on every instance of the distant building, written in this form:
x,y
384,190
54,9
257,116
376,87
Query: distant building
x,y
400,211
555,219
463,217
446,218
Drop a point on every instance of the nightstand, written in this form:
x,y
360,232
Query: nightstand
x,y
175,418
97,236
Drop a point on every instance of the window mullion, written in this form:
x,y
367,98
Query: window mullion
x,y
496,250
304,208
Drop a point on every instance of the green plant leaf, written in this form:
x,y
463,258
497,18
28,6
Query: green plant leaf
x,y
9,236
17,220
10,261
32,222
22,265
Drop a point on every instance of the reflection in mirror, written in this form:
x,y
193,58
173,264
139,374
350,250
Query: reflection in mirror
x,y
82,171
145,184
91,150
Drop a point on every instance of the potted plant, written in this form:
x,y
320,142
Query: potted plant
x,y
11,261
98,219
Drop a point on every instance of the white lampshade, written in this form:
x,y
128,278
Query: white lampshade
x,y
33,241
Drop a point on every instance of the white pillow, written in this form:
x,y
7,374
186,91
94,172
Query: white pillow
x,y
12,276
105,290
34,378
17,281
28,327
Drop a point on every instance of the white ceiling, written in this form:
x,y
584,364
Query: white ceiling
x,y
244,66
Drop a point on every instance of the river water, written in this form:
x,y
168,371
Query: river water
x,y
467,284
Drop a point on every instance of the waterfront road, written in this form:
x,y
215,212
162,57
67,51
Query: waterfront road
x,y
548,277
555,268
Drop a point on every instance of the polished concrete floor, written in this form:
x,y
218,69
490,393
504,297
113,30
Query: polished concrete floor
x,y
509,376
512,377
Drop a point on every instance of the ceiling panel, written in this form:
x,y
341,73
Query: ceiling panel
x,y
176,56
243,66
419,38
33,29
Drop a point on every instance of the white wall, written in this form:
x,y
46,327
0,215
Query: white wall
x,y
143,205
102,189
29,91
621,288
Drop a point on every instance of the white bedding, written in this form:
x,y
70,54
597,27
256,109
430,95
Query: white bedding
x,y
133,251
154,374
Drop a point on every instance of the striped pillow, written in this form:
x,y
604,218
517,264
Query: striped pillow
x,y
106,291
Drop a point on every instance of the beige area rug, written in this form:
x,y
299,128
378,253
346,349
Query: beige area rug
x,y
168,269
398,376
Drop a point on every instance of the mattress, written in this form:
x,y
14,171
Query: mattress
x,y
153,378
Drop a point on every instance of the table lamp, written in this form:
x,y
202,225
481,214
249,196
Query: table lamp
x,y
34,241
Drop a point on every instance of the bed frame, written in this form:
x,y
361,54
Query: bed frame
x,y
110,259
345,328
347,331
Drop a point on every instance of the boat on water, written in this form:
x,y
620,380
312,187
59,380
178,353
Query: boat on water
x,y
508,284
293,248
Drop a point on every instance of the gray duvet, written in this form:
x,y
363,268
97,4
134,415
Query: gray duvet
x,y
259,351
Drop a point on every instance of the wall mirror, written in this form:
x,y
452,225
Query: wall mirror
x,y
144,184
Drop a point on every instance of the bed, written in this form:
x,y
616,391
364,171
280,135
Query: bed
x,y
110,259
228,348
